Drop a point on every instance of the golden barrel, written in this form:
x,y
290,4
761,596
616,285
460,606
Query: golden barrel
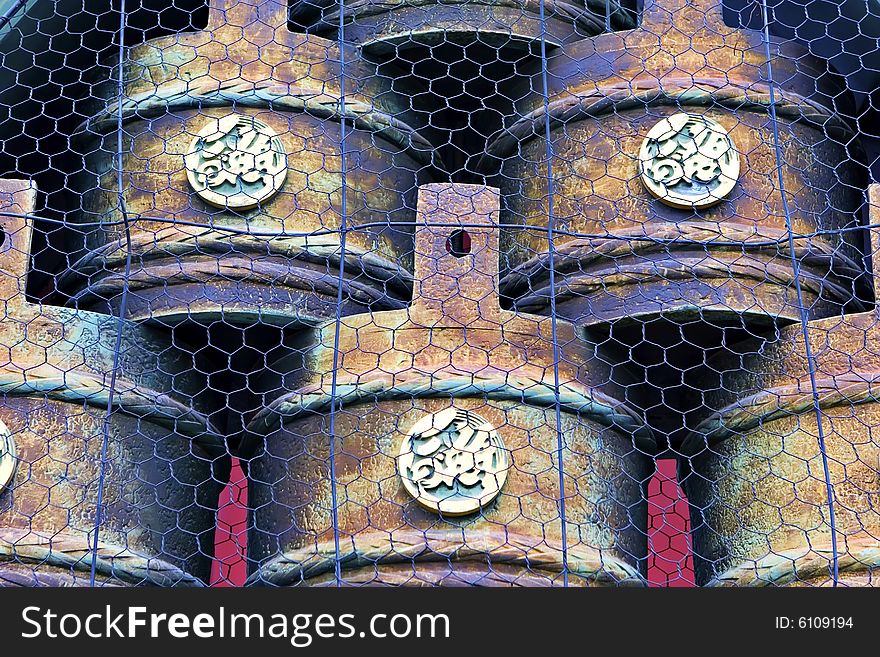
x,y
234,170
666,198
444,459
163,467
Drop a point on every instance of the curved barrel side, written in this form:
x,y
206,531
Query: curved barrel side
x,y
757,487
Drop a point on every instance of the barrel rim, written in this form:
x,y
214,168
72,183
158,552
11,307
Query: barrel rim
x,y
177,96
373,281
802,564
213,242
133,400
848,389
590,18
585,256
378,547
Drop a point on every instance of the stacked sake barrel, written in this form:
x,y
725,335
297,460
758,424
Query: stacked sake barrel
x,y
666,196
430,454
236,178
763,501
154,466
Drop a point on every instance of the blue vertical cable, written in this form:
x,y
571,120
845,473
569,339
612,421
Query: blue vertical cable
x,y
120,324
811,363
551,252
343,233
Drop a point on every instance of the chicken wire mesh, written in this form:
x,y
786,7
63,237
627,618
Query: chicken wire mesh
x,y
509,293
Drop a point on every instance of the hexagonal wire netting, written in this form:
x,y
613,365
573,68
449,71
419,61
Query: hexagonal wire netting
x,y
409,292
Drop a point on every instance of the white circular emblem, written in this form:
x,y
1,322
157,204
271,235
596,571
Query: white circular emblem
x,y
7,456
689,161
453,462
236,162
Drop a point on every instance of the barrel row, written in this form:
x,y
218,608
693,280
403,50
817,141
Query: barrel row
x,y
367,492
666,196
446,465
232,160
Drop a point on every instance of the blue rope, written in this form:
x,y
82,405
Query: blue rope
x,y
552,266
120,323
765,34
340,284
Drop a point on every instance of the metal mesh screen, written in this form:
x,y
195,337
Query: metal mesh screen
x,y
497,293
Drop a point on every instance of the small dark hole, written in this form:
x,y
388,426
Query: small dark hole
x,y
459,243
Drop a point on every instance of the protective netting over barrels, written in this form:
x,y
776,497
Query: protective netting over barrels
x,y
439,292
